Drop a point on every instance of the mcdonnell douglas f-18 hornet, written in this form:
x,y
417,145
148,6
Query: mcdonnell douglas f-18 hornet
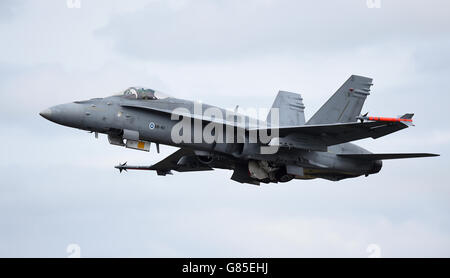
x,y
283,147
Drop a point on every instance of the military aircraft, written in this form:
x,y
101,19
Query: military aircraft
x,y
283,147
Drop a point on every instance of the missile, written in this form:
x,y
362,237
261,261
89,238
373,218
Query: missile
x,y
124,167
406,119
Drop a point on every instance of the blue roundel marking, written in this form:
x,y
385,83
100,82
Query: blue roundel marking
x,y
151,125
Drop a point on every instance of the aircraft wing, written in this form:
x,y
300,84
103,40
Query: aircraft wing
x,y
183,160
319,134
332,134
381,156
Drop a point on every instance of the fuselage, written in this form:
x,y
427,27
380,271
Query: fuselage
x,y
148,120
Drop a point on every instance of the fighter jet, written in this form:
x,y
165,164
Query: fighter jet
x,y
283,147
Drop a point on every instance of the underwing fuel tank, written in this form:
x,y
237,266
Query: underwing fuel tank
x,y
138,145
132,140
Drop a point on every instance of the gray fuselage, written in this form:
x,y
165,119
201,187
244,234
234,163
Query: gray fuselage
x,y
149,120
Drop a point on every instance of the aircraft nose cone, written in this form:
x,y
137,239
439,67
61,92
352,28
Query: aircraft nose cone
x,y
47,113
68,114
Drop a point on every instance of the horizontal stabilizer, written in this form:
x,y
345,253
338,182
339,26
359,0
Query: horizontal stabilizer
x,y
381,156
333,134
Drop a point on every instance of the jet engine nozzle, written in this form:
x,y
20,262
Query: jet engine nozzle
x,y
377,165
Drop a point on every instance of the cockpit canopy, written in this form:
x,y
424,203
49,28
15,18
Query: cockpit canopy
x,y
143,93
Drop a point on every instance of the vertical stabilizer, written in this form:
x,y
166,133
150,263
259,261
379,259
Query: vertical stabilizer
x,y
346,104
290,107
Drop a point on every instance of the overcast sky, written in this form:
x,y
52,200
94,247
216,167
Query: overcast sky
x,y
58,185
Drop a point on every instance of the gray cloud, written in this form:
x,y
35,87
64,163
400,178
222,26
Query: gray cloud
x,y
9,9
58,185
234,29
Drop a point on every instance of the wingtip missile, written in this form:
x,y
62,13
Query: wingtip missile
x,y
405,119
